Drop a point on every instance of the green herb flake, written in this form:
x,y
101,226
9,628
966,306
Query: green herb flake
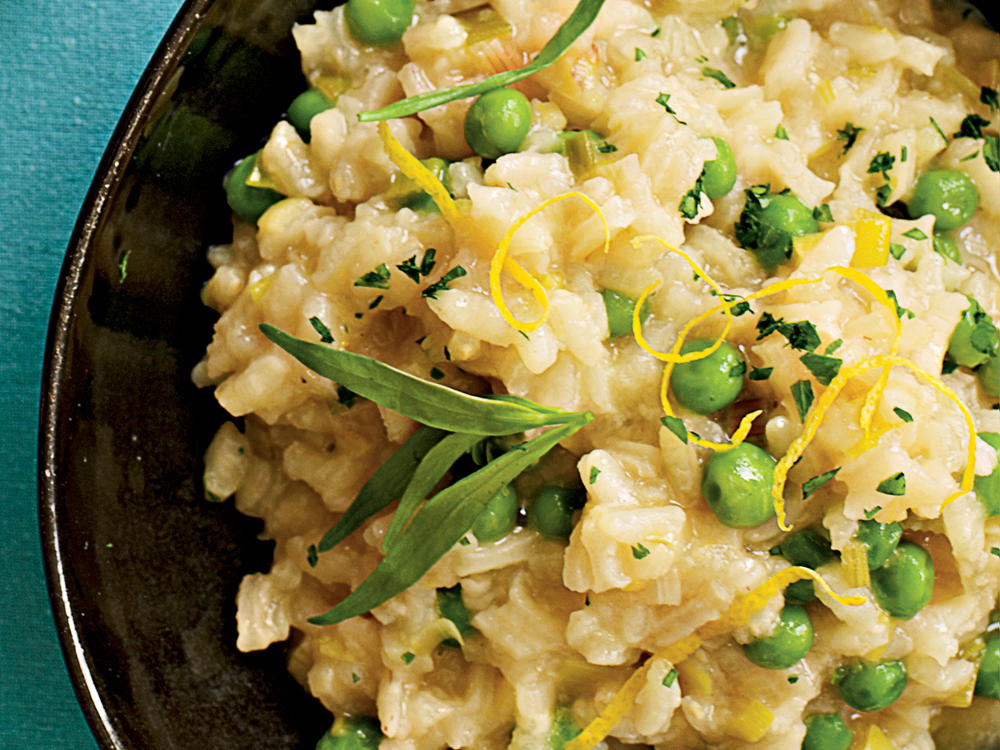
x,y
441,285
792,679
464,541
991,152
801,335
802,393
915,234
376,302
990,98
872,512
354,678
606,148
663,100
573,27
780,133
670,679
972,127
377,279
690,204
824,368
212,497
408,657
639,551
896,250
995,551
948,366
849,133
324,333
823,213
656,32
312,555
971,156
767,324
893,485
904,154
437,373
123,266
811,485
760,373
902,414
882,162
882,195
719,76
447,354
833,346
359,316
676,426
639,54
939,131
900,310
346,396
594,473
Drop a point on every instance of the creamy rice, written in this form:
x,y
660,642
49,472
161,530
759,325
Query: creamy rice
x,y
560,626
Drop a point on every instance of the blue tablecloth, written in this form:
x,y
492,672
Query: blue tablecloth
x,y
66,72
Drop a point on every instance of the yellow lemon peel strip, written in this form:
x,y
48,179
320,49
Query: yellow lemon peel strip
x,y
822,405
410,166
738,614
502,262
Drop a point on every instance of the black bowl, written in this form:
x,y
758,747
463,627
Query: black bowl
x,y
142,571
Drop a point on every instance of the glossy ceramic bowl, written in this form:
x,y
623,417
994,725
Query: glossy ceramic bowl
x,y
143,572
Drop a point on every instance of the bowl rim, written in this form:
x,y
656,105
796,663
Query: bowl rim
x,y
108,176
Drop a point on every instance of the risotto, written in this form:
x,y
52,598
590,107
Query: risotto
x,y
624,374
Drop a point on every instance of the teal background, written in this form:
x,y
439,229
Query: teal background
x,y
66,73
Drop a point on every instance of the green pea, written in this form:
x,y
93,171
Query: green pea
x,y
378,22
826,732
619,307
551,511
707,385
988,678
306,106
419,200
975,338
988,487
948,194
768,224
945,245
736,485
810,549
871,686
906,582
497,123
352,733
790,640
498,517
880,539
989,376
246,201
719,175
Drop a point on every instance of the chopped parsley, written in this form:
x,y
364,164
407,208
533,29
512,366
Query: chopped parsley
x,y
915,234
442,284
656,32
904,154
437,373
948,366
823,213
408,657
413,271
893,485
991,152
824,368
792,679
900,310
740,308
882,195
354,678
123,266
606,148
995,551
767,324
639,54
594,473
447,354
971,156
376,302
780,133
346,396
896,250
989,97
849,133
691,202
902,414
377,279
671,677
324,333
719,76
760,373
676,426
938,129
663,100
639,551
972,127
833,346
312,555
811,485
872,512
882,162
802,393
